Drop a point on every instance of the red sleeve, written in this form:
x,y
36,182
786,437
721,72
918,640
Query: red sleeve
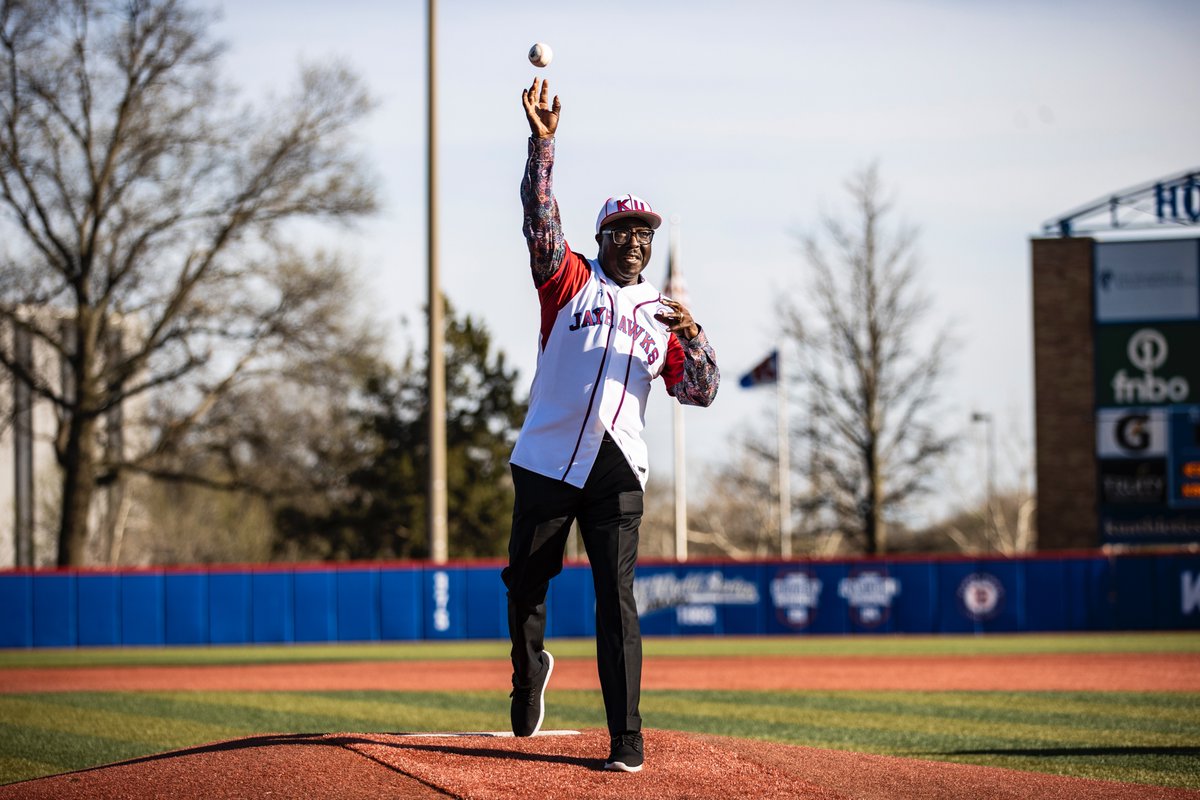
x,y
672,371
571,276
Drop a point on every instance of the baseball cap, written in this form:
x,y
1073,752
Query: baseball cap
x,y
626,205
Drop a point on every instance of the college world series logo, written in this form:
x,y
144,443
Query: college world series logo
x,y
796,596
869,594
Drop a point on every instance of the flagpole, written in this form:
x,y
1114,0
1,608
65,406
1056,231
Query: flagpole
x,y
681,541
674,282
784,467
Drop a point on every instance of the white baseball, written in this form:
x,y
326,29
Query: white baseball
x,y
540,54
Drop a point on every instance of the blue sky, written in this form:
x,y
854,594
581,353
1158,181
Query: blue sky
x,y
744,120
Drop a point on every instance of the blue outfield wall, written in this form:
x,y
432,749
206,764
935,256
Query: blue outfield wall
x,y
404,602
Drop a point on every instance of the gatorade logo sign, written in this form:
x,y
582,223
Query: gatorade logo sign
x,y
1131,433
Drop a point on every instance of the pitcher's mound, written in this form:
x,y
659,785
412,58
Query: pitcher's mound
x,y
490,767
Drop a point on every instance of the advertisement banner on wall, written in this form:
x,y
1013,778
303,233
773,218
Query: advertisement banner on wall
x,y
1147,280
1131,433
694,598
1133,482
796,597
1184,463
1147,365
869,592
1156,526
1148,474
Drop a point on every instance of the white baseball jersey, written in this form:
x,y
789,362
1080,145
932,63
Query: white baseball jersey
x,y
599,351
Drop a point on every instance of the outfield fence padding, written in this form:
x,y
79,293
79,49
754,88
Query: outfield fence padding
x,y
415,601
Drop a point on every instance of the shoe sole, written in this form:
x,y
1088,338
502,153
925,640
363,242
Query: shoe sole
x,y
621,766
542,696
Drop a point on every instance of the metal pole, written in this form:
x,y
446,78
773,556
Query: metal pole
x,y
438,550
785,463
993,529
681,525
990,526
23,449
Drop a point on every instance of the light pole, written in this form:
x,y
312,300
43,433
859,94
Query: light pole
x,y
986,419
438,546
785,461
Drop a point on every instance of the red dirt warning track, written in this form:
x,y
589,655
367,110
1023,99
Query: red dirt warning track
x,y
1074,672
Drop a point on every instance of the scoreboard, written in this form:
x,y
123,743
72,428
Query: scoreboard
x,y
1146,319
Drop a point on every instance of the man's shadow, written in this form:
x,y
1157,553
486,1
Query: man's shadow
x,y
349,741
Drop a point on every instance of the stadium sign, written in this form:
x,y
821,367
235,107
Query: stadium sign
x,y
1144,281
1168,202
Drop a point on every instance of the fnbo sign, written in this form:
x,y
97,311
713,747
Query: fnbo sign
x,y
1147,364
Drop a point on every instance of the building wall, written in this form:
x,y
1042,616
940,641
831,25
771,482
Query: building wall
x,y
47,476
1064,404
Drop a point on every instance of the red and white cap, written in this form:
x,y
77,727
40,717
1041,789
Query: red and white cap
x,y
626,205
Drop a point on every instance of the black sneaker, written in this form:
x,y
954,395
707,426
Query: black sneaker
x,y
529,702
626,753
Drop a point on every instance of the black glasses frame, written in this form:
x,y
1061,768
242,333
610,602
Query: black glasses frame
x,y
621,236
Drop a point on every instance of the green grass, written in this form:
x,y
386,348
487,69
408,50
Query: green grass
x,y
1142,737
893,645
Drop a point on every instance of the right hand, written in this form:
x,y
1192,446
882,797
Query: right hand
x,y
541,113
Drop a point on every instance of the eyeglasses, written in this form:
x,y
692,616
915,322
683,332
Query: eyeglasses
x,y
621,236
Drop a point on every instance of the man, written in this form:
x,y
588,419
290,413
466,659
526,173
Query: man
x,y
606,334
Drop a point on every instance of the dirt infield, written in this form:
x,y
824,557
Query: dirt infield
x,y
679,765
482,767
1073,672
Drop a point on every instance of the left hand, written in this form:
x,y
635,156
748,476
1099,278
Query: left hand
x,y
540,111
678,319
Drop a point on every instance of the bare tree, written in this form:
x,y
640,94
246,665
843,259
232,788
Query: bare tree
x,y
737,517
149,214
870,390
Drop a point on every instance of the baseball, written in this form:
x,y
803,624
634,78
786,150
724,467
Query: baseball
x,y
540,55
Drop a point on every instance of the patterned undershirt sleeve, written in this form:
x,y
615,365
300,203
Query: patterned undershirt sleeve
x,y
701,378
542,228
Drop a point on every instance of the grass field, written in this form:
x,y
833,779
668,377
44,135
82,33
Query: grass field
x,y
1140,737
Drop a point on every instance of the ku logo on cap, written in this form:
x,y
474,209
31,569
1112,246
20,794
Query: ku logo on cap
x,y
629,204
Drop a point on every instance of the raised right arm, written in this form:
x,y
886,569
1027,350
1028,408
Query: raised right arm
x,y
542,226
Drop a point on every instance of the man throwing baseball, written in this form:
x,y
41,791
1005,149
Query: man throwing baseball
x,y
606,334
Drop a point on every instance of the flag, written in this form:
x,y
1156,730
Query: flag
x,y
766,372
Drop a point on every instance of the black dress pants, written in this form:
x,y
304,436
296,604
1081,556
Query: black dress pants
x,y
609,510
